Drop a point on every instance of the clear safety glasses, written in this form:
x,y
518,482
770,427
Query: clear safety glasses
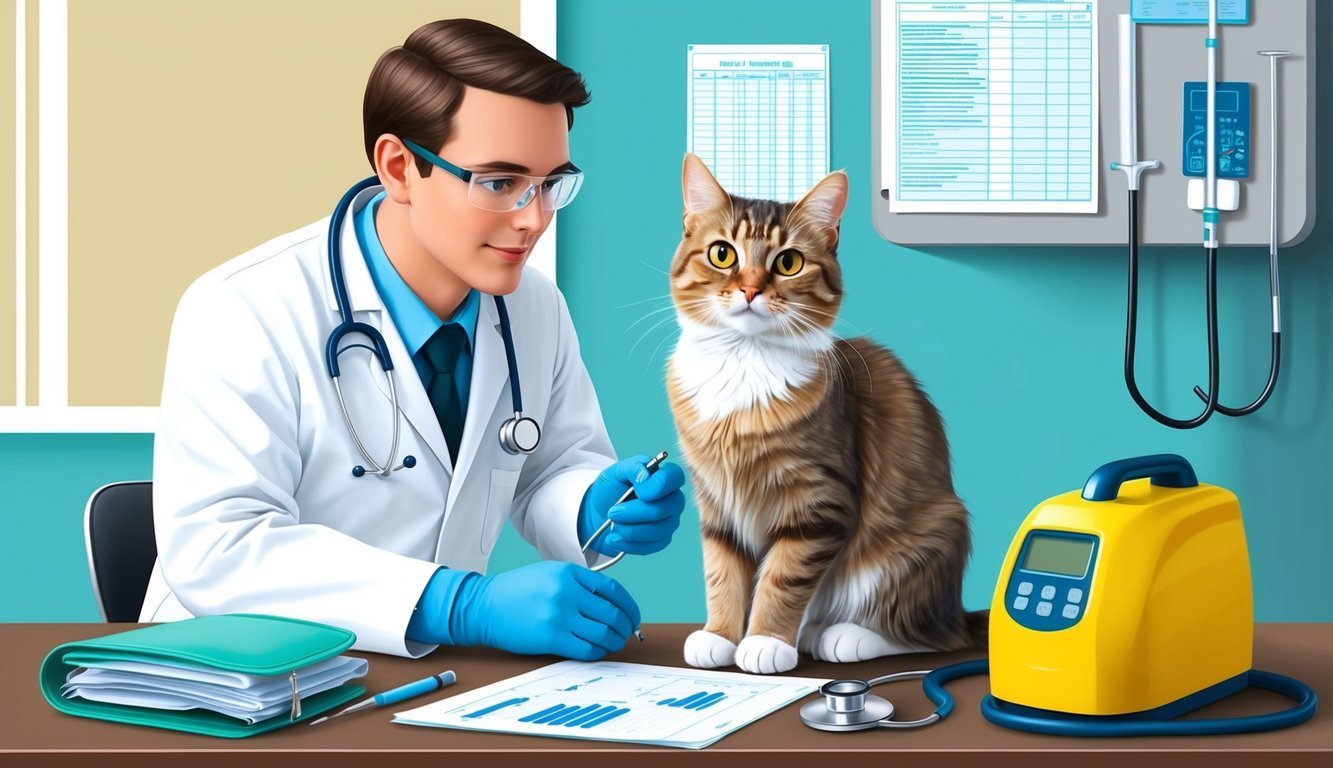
x,y
503,192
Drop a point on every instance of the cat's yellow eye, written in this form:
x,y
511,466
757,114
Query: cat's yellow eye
x,y
721,255
789,263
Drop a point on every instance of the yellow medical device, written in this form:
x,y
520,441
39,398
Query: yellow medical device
x,y
1127,597
1119,608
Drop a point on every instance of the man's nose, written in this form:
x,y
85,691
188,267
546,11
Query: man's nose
x,y
531,216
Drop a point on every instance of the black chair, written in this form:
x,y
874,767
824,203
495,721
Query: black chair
x,y
118,531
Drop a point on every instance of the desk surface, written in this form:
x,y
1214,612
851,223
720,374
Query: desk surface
x,y
34,734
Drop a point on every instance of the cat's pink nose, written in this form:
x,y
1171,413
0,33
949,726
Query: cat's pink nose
x,y
750,293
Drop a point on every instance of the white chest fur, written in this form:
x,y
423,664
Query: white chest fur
x,y
721,371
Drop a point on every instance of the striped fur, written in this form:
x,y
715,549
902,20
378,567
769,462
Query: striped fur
x,y
821,470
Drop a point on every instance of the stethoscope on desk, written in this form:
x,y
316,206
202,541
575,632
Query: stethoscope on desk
x,y
847,705
519,434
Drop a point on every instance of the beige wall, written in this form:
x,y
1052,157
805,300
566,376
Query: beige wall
x,y
197,131
7,323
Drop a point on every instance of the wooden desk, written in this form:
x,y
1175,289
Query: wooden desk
x,y
33,734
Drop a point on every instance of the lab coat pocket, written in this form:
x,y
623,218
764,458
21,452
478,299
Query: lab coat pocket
x,y
501,497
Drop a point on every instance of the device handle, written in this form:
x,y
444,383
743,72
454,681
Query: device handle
x,y
1165,469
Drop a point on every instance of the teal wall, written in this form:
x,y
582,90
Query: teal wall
x,y
1021,348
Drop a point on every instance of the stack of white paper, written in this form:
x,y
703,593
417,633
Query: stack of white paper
x,y
251,698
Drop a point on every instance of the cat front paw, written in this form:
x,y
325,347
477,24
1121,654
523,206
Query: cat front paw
x,y
706,650
849,642
765,655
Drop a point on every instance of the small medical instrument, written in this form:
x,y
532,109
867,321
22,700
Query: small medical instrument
x,y
1236,143
651,466
1274,289
401,693
1118,609
520,434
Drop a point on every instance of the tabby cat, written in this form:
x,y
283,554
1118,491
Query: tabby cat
x,y
820,468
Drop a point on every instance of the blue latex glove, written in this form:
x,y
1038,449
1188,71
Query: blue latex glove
x,y
641,525
547,607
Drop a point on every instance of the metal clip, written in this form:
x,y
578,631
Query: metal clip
x,y
296,698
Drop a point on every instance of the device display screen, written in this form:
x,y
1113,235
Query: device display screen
x,y
1227,101
1052,554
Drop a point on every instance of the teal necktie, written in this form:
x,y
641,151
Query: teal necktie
x,y
442,352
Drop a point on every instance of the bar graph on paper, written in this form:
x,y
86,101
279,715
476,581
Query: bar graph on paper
x,y
758,116
614,701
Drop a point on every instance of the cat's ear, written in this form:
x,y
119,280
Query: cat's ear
x,y
823,205
699,189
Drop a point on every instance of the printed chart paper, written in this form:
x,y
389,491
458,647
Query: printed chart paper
x,y
616,701
758,116
989,107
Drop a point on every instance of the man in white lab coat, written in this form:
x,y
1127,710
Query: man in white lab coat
x,y
257,507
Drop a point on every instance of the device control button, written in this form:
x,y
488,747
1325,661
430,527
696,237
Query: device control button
x,y
1043,609
1070,612
1025,588
1075,595
1020,603
1047,592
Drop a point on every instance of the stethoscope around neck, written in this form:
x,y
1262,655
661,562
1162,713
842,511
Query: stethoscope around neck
x,y
519,434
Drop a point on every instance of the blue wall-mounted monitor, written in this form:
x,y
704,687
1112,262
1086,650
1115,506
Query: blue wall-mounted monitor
x,y
1188,11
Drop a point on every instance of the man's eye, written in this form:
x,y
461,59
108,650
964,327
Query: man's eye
x,y
497,184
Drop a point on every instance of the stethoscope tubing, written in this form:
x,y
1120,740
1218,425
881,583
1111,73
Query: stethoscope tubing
x,y
1060,724
380,349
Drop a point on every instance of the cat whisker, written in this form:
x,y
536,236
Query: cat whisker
x,y
836,317
808,325
653,356
870,377
827,363
665,296
654,268
645,334
650,314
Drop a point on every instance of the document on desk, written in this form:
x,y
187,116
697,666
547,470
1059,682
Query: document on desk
x,y
182,686
989,107
758,116
617,701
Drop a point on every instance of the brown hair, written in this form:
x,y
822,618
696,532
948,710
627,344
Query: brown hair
x,y
415,89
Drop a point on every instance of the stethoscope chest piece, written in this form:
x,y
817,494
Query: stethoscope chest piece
x,y
520,435
847,706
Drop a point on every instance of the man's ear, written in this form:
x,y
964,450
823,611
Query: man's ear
x,y
700,190
823,205
396,166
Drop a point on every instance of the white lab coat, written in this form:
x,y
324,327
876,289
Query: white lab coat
x,y
255,505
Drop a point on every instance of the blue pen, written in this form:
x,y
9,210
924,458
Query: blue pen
x,y
401,693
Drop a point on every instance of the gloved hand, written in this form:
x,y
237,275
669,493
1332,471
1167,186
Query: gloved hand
x,y
642,525
547,607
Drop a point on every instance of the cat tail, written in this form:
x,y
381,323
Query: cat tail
x,y
978,627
